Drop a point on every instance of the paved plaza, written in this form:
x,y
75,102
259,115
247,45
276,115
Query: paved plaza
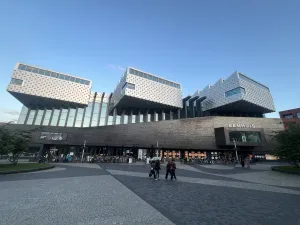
x,y
124,194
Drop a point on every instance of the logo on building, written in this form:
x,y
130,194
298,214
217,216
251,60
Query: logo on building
x,y
241,125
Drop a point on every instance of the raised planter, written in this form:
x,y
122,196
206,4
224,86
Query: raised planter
x,y
26,170
282,170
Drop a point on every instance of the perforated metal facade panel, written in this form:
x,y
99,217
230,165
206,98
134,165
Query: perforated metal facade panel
x,y
49,87
148,90
255,93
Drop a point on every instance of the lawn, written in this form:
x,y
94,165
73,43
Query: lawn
x,y
21,166
291,169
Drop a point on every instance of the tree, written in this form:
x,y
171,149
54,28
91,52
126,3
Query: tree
x,y
14,143
288,141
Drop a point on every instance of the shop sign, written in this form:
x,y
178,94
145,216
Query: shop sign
x,y
241,125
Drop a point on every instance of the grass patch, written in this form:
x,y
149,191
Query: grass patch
x,y
21,166
287,169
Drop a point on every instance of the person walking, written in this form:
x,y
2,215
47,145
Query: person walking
x,y
172,170
152,172
157,169
243,162
247,161
168,167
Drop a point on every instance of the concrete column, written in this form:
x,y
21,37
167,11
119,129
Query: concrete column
x,y
163,115
178,114
43,117
27,115
138,116
171,114
34,118
130,116
114,116
75,117
122,117
146,116
50,116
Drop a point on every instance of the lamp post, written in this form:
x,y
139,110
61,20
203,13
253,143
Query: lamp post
x,y
83,150
236,155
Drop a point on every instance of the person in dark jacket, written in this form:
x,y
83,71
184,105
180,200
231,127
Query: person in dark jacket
x,y
243,162
168,167
152,172
172,170
157,169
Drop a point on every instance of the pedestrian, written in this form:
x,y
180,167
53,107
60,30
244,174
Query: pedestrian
x,y
172,170
157,169
168,167
152,172
243,162
247,162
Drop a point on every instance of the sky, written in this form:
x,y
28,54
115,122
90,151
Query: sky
x,y
194,43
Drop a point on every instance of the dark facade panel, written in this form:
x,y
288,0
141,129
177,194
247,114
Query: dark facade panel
x,y
195,133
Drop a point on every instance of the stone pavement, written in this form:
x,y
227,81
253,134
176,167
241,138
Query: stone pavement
x,y
124,194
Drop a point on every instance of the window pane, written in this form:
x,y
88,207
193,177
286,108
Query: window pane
x,y
118,119
39,117
135,72
21,67
110,120
235,91
131,71
87,82
103,114
63,117
155,79
61,76
133,118
298,114
35,70
67,77
87,116
16,81
54,74
77,80
55,117
95,116
23,114
79,117
47,73
47,117
31,117
28,68
72,79
42,72
289,116
71,118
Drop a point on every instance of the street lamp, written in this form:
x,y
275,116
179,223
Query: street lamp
x,y
236,155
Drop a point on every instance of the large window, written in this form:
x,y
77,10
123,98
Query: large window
x,y
243,77
47,117
16,81
110,120
71,117
55,117
23,114
63,117
95,116
298,114
153,78
235,91
245,136
79,117
118,119
88,114
289,116
31,117
52,74
39,117
103,114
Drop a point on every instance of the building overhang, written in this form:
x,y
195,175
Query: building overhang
x,y
38,102
132,103
241,106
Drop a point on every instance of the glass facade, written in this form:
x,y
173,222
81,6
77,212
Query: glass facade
x,y
47,117
235,91
23,114
50,74
298,114
39,117
16,81
96,113
289,116
245,136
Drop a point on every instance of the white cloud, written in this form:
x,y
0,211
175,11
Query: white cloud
x,y
115,67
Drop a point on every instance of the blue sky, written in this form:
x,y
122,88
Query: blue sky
x,y
191,42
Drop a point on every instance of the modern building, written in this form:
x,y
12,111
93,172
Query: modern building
x,y
148,109
291,116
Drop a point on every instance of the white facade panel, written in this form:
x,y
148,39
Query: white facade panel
x,y
255,93
49,87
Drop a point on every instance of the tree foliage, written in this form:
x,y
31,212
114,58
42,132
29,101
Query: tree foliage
x,y
13,143
288,141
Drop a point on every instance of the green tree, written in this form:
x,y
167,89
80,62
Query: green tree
x,y
14,143
288,141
